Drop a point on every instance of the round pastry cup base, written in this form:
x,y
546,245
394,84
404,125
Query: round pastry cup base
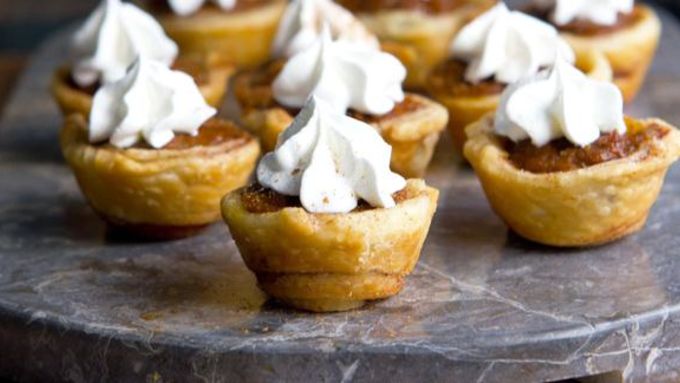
x,y
613,235
578,208
322,292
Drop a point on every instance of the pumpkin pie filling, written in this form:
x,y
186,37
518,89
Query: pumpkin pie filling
x,y
449,78
161,7
427,6
588,28
258,199
563,156
213,133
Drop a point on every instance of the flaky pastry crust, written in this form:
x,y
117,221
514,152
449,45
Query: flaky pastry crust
x,y
630,51
73,100
242,38
332,262
413,135
420,40
584,207
161,188
467,109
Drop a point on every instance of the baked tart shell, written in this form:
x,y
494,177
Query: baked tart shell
x,y
71,99
467,109
332,262
584,207
412,134
157,193
630,51
418,39
242,38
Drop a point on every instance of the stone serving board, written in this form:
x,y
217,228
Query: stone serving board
x,y
483,305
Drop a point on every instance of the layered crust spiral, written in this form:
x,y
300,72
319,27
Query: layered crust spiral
x,y
583,207
165,188
332,262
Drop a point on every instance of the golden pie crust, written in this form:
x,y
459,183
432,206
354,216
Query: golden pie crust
x,y
243,37
420,40
165,192
630,50
332,262
584,207
72,99
413,133
465,109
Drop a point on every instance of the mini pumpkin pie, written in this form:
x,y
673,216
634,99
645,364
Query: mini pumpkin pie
x,y
109,41
72,98
561,166
627,33
471,81
151,161
238,32
355,78
328,227
417,32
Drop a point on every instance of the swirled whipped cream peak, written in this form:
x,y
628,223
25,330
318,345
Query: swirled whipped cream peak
x,y
151,103
303,22
112,38
602,12
507,46
561,102
344,74
331,161
188,7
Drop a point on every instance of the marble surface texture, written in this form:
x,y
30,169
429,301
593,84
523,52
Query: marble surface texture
x,y
482,305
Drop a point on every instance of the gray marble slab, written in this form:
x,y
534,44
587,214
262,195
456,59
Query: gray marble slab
x,y
482,305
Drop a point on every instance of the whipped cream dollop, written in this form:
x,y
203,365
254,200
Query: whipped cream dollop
x,y
344,74
508,46
188,7
602,12
152,102
331,161
112,38
561,102
303,21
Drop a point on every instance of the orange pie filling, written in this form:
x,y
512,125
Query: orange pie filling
x,y
426,6
562,156
161,7
449,78
257,199
213,132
